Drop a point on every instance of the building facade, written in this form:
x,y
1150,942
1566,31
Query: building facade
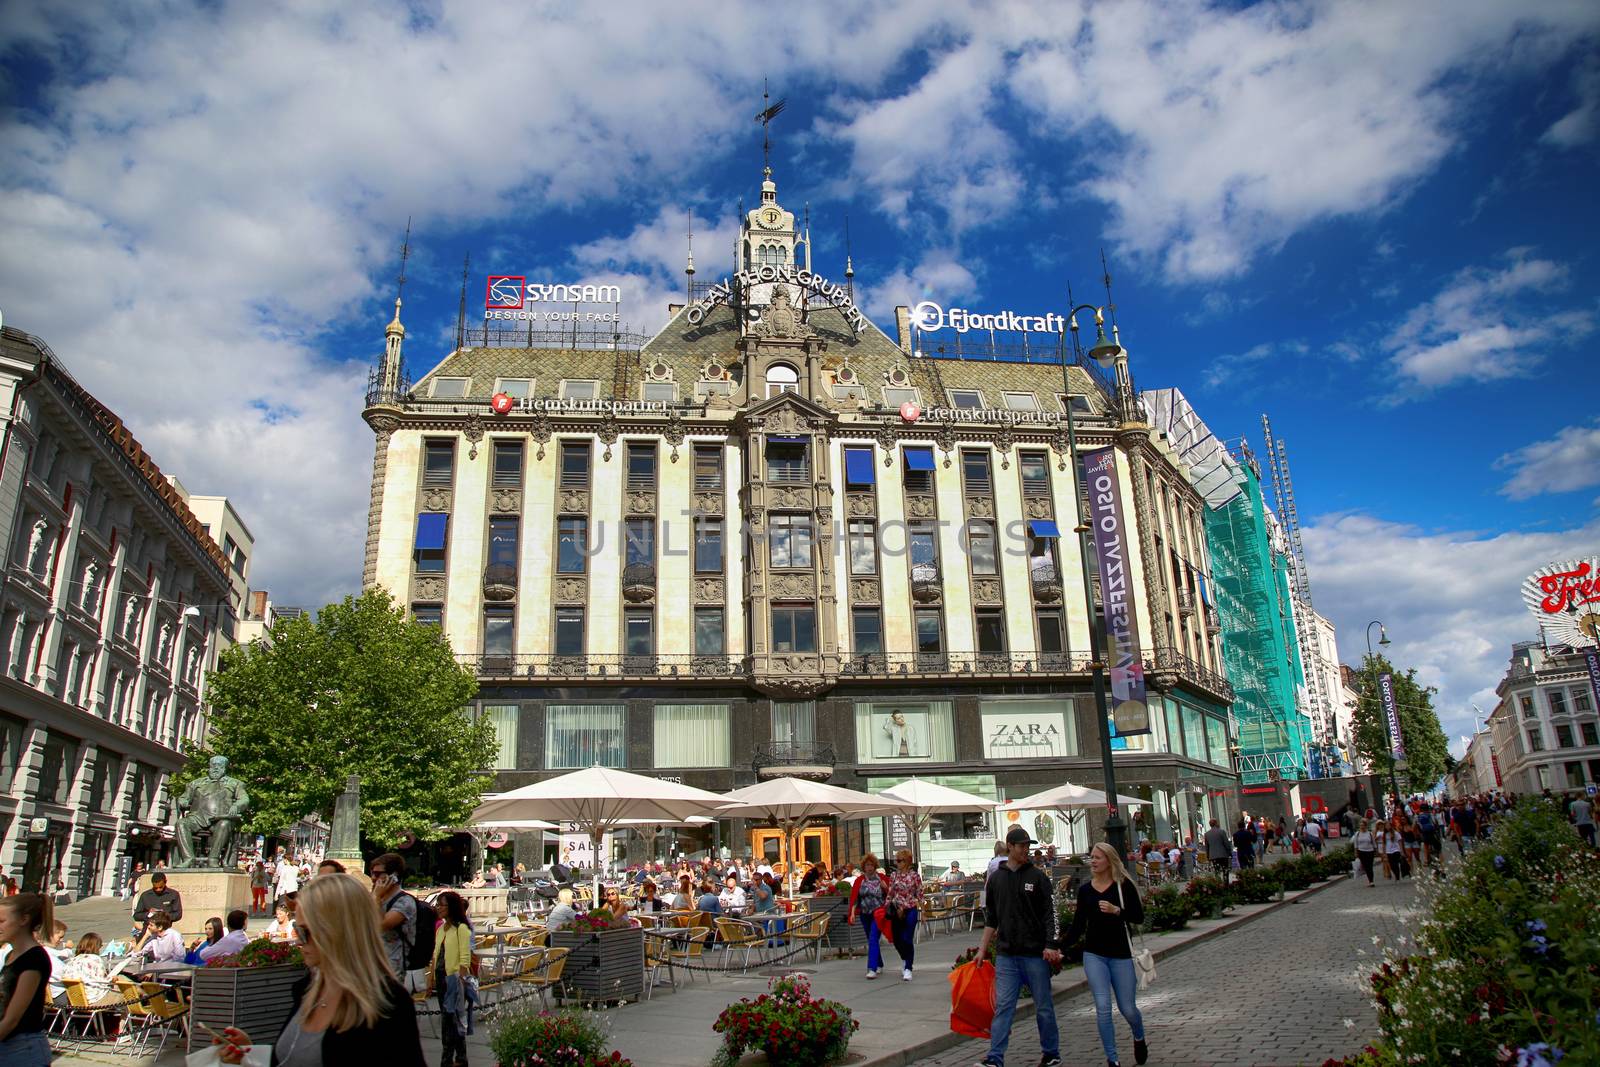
x,y
111,611
1545,727
770,539
221,523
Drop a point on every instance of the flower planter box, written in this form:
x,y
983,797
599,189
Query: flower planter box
x,y
258,1000
604,964
841,934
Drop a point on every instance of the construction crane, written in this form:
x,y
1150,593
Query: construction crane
x,y
1312,662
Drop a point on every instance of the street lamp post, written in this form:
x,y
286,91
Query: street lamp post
x,y
1383,641
1103,349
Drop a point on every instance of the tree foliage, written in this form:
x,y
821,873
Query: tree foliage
x,y
361,690
1425,743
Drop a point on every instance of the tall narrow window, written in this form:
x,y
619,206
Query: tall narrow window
x,y
930,632
438,462
639,541
794,723
991,626
503,530
863,547
708,632
1051,638
427,614
639,632
790,541
641,465
866,631
924,548
575,464
508,464
981,550
708,467
1035,473
1558,701
794,628
708,544
919,470
572,544
782,378
432,533
975,472
499,630
569,632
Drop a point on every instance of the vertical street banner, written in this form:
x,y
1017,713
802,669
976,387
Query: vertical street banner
x,y
1391,715
1591,657
1130,713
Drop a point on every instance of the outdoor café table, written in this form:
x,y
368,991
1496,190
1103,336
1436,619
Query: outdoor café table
x,y
170,971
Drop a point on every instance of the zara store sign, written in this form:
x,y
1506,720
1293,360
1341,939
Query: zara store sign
x,y
1024,734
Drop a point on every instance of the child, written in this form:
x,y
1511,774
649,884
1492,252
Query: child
x,y
23,979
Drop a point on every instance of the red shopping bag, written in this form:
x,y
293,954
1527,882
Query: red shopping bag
x,y
880,921
972,998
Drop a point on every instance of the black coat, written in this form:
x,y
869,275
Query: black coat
x,y
393,1041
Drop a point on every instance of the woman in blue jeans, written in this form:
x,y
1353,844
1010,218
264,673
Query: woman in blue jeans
x,y
1108,904
866,897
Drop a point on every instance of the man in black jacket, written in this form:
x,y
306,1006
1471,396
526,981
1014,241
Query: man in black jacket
x,y
157,898
1244,839
1020,919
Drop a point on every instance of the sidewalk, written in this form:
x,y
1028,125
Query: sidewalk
x,y
901,1022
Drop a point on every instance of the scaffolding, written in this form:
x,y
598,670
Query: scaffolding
x,y
1253,587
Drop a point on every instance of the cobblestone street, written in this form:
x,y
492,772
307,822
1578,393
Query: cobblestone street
x,y
1274,993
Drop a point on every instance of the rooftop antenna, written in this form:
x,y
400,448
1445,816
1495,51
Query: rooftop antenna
x,y
400,279
461,310
689,267
768,113
849,268
1111,307
808,235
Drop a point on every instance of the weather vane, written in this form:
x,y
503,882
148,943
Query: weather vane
x,y
768,113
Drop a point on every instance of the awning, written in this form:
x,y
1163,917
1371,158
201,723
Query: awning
x,y
788,440
858,467
919,459
430,529
1044,528
1205,594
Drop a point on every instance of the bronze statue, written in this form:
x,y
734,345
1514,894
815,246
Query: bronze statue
x,y
215,803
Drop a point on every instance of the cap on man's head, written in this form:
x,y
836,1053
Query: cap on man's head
x,y
1018,836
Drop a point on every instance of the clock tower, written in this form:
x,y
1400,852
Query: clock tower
x,y
768,235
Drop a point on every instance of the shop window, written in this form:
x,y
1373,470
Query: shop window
x,y
1029,729
1194,733
584,735
504,718
794,722
913,731
692,735
1217,741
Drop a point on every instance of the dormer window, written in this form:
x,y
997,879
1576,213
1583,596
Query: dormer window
x,y
969,399
449,388
782,378
516,388
580,390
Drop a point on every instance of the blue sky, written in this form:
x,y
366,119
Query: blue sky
x,y
1373,222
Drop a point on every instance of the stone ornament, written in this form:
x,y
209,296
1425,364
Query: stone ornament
x,y
980,507
864,590
539,430
920,507
887,439
429,587
436,499
608,434
1036,507
570,590
792,586
860,504
1004,440
506,501
574,501
674,433
641,502
473,433
708,591
986,590
708,503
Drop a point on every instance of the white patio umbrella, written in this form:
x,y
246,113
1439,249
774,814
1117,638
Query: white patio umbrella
x,y
598,800
917,801
1067,800
790,803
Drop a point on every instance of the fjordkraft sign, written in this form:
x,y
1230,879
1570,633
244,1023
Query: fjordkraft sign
x,y
1111,541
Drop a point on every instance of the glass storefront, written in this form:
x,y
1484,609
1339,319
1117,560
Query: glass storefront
x,y
905,732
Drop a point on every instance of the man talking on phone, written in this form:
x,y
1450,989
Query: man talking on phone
x,y
398,915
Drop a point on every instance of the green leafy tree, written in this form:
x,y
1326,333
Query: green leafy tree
x,y
1425,743
362,690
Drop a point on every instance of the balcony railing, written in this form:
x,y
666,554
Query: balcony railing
x,y
793,754
687,667
962,664
1195,674
607,666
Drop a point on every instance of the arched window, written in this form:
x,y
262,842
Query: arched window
x,y
770,254
782,378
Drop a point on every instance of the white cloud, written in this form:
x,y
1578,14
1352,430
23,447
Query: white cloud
x,y
1473,329
937,275
1450,599
1579,126
1569,460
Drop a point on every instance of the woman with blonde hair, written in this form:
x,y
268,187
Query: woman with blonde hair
x,y
350,1008
1108,903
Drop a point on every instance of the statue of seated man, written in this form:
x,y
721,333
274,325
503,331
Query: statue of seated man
x,y
215,803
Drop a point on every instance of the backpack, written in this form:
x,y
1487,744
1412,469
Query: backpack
x,y
1425,823
420,949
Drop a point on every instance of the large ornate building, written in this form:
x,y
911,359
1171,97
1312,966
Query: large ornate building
x,y
113,601
772,538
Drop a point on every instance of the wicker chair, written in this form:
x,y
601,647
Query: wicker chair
x,y
152,1008
657,957
736,935
547,976
810,930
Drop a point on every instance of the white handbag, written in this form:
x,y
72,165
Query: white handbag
x,y
1144,961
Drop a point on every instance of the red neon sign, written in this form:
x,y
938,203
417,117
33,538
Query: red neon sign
x,y
1568,587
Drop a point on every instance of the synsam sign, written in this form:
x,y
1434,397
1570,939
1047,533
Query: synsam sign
x,y
508,296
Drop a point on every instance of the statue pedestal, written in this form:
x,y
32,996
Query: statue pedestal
x,y
206,893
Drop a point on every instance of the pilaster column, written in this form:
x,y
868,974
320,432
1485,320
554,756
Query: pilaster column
x,y
383,425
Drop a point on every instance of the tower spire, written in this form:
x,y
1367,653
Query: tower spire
x,y
808,235
688,269
461,309
394,333
400,279
849,267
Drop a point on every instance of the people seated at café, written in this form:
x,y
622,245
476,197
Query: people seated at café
x,y
160,943
708,900
563,913
230,943
88,967
732,898
683,900
613,902
954,874
648,901
817,873
281,928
